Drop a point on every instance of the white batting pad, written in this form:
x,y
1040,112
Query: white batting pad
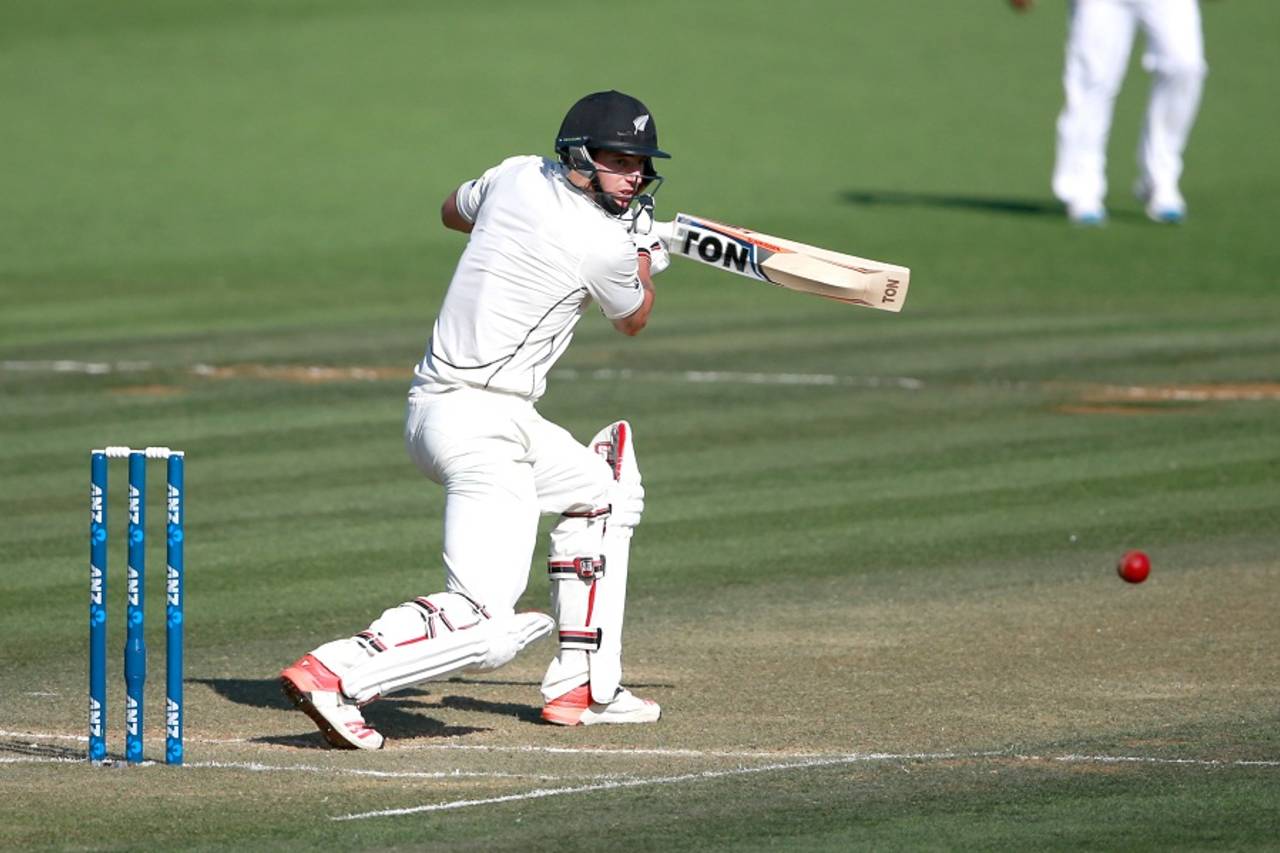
x,y
431,637
589,604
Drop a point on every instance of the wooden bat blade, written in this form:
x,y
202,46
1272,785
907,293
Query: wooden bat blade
x,y
787,263
807,274
838,258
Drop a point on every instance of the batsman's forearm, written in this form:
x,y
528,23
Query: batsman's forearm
x,y
634,322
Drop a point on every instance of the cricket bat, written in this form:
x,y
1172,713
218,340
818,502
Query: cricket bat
x,y
786,263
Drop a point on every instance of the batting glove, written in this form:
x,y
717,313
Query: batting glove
x,y
648,236
653,248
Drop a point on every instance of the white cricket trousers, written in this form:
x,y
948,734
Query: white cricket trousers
x,y
1099,39
502,465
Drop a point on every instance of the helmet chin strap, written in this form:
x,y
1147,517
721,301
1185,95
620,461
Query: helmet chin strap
x,y
580,160
606,201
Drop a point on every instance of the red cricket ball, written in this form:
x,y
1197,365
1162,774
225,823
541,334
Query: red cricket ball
x,y
1134,567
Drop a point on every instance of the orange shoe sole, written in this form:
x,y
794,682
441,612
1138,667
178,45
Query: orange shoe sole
x,y
299,698
306,675
567,710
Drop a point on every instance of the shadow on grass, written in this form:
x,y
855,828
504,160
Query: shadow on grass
x,y
395,723
523,713
960,201
41,750
266,692
397,716
255,692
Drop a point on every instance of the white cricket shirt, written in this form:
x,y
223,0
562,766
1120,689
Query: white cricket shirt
x,y
539,253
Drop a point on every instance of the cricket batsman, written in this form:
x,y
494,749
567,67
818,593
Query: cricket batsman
x,y
547,238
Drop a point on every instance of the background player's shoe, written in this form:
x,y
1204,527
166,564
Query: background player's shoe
x,y
1087,214
575,708
315,690
1164,206
1166,212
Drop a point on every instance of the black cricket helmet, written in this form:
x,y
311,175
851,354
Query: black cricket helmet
x,y
611,121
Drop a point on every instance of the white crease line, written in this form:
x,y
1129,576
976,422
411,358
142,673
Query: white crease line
x,y
593,750
731,377
1143,392
91,368
456,747
1138,759
743,378
44,735
603,786
257,767
711,753
815,762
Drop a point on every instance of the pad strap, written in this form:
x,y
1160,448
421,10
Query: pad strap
x,y
589,513
582,639
585,568
370,642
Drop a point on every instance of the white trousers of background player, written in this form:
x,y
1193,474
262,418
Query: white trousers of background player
x,y
502,465
1099,40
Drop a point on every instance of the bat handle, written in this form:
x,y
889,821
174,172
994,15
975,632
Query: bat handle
x,y
664,231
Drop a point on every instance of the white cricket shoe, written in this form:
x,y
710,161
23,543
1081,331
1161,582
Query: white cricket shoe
x,y
1087,214
575,708
1166,206
1167,211
316,691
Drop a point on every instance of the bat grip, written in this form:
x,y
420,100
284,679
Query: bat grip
x,y
664,231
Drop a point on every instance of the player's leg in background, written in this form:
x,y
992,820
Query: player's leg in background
x,y
1099,39
596,491
1174,56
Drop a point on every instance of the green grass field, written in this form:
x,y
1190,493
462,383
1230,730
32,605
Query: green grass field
x,y
874,587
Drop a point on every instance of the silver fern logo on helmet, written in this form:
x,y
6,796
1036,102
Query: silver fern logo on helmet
x,y
640,123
